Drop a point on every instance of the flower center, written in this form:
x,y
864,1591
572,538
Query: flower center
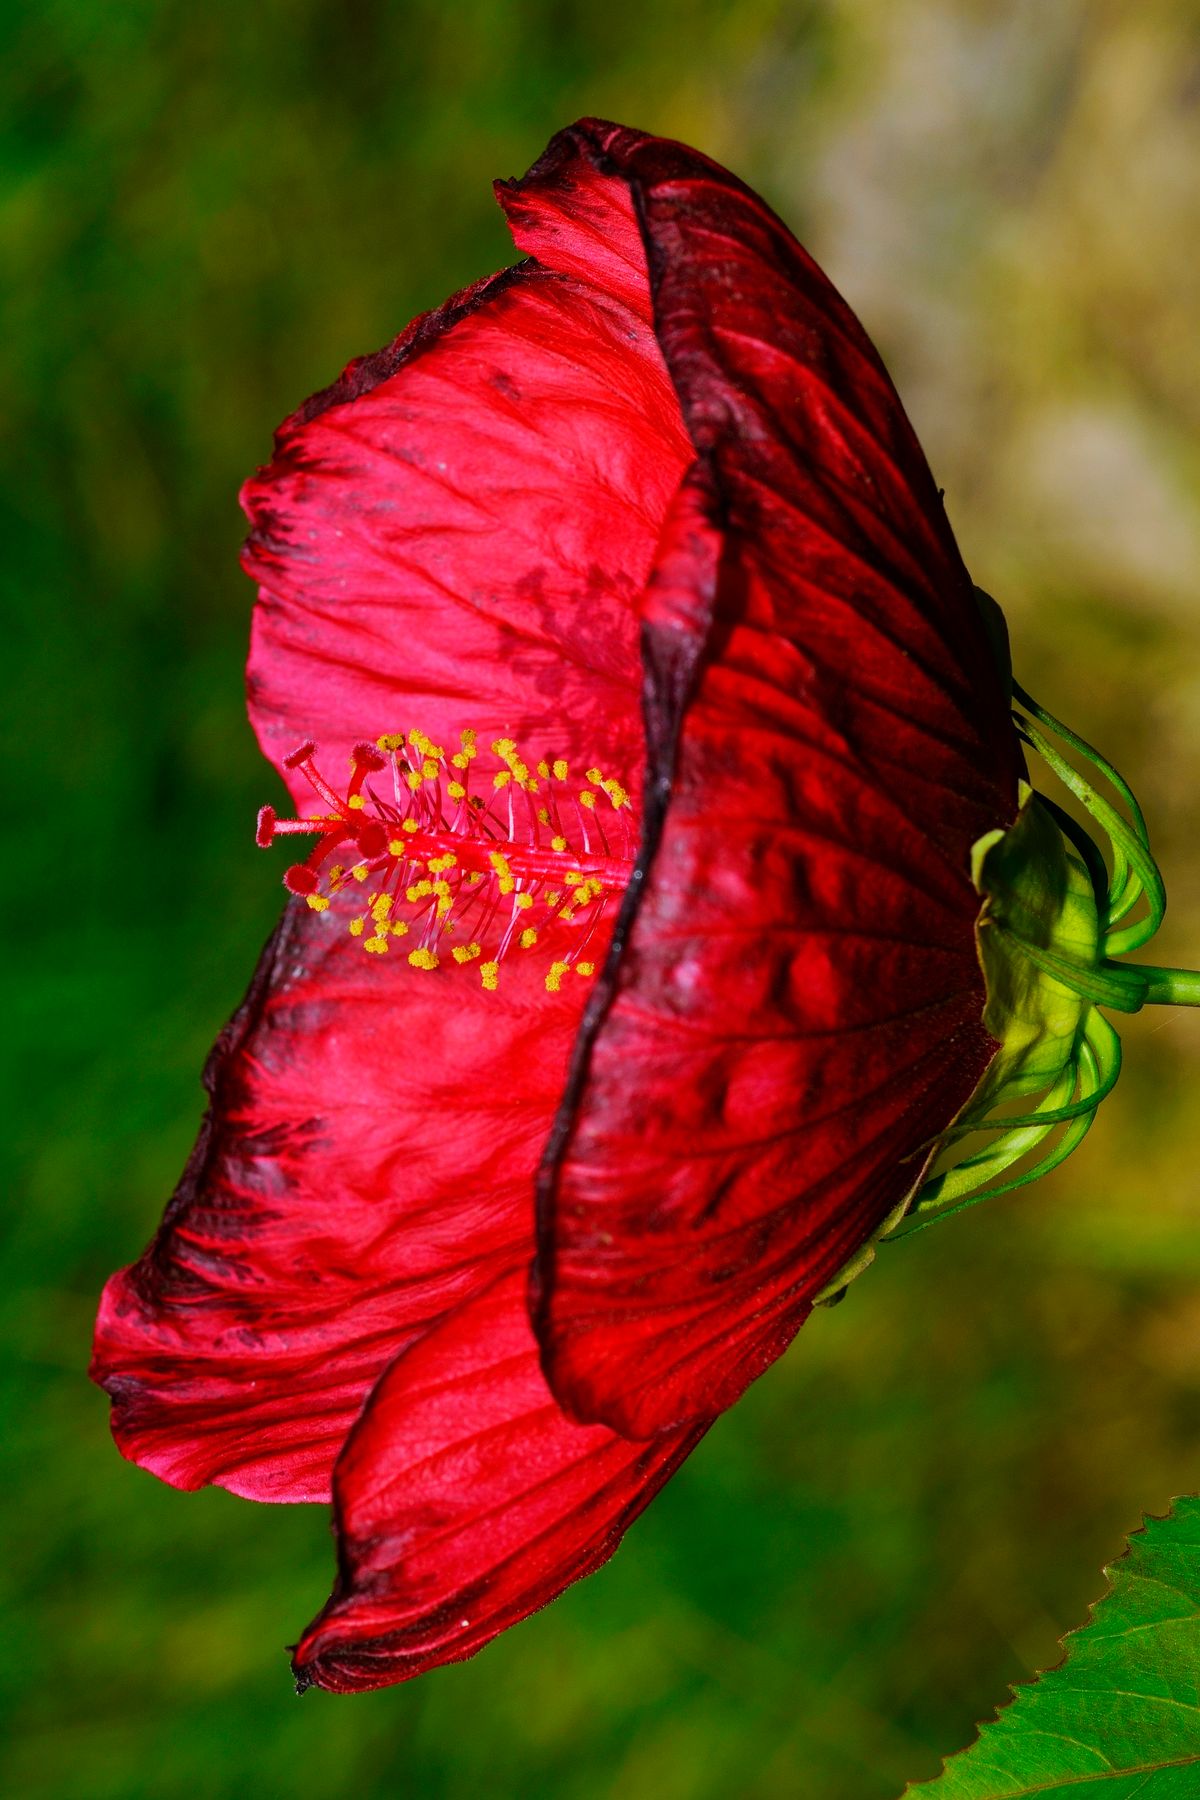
x,y
525,857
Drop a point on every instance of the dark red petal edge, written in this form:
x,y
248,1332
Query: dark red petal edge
x,y
465,1500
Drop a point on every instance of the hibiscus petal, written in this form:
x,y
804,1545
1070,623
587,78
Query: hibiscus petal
x,y
458,532
453,535
796,1006
366,1165
465,1501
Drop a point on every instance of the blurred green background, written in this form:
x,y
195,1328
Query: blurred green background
x,y
205,211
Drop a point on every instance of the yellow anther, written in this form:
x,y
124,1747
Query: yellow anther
x,y
554,976
544,772
465,953
377,945
587,798
429,769
356,928
558,843
585,968
523,902
489,974
501,778
418,891
397,847
448,861
398,928
422,959
318,902
543,817
459,760
382,907
391,741
594,775
443,907
573,878
506,883
455,789
357,802
359,871
616,793
336,872
561,770
414,780
529,937
553,899
410,825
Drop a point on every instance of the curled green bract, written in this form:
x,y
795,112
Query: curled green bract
x,y
1056,917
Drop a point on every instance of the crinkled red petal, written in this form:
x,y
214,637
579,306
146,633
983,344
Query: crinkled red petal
x,y
458,533
465,1501
366,1166
454,535
794,1007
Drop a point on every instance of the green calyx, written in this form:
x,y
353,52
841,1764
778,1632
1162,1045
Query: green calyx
x,y
1057,916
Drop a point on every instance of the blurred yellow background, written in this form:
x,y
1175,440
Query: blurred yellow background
x,y
205,212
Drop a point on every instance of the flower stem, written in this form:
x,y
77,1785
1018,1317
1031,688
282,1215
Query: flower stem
x,y
1170,987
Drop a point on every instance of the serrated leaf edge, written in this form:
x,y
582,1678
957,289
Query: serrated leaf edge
x,y
1015,1688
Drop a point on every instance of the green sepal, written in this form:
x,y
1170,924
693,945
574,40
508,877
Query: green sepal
x,y
1036,896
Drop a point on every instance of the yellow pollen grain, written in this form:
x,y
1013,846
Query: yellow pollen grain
x,y
359,871
501,778
460,761
422,959
414,780
465,953
585,968
396,847
318,902
376,945
529,937
391,741
594,775
356,928
587,798
573,878
553,899
558,843
381,907
489,974
543,769
443,907
566,915
616,793
456,790
523,902
398,928
409,825
418,891
429,769
561,771
357,802
554,976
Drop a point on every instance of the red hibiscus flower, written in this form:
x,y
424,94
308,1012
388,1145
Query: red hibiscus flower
x,y
633,974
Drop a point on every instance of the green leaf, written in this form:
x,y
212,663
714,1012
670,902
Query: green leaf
x,y
1120,1715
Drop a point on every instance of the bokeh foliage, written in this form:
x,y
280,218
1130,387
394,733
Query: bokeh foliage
x,y
205,210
